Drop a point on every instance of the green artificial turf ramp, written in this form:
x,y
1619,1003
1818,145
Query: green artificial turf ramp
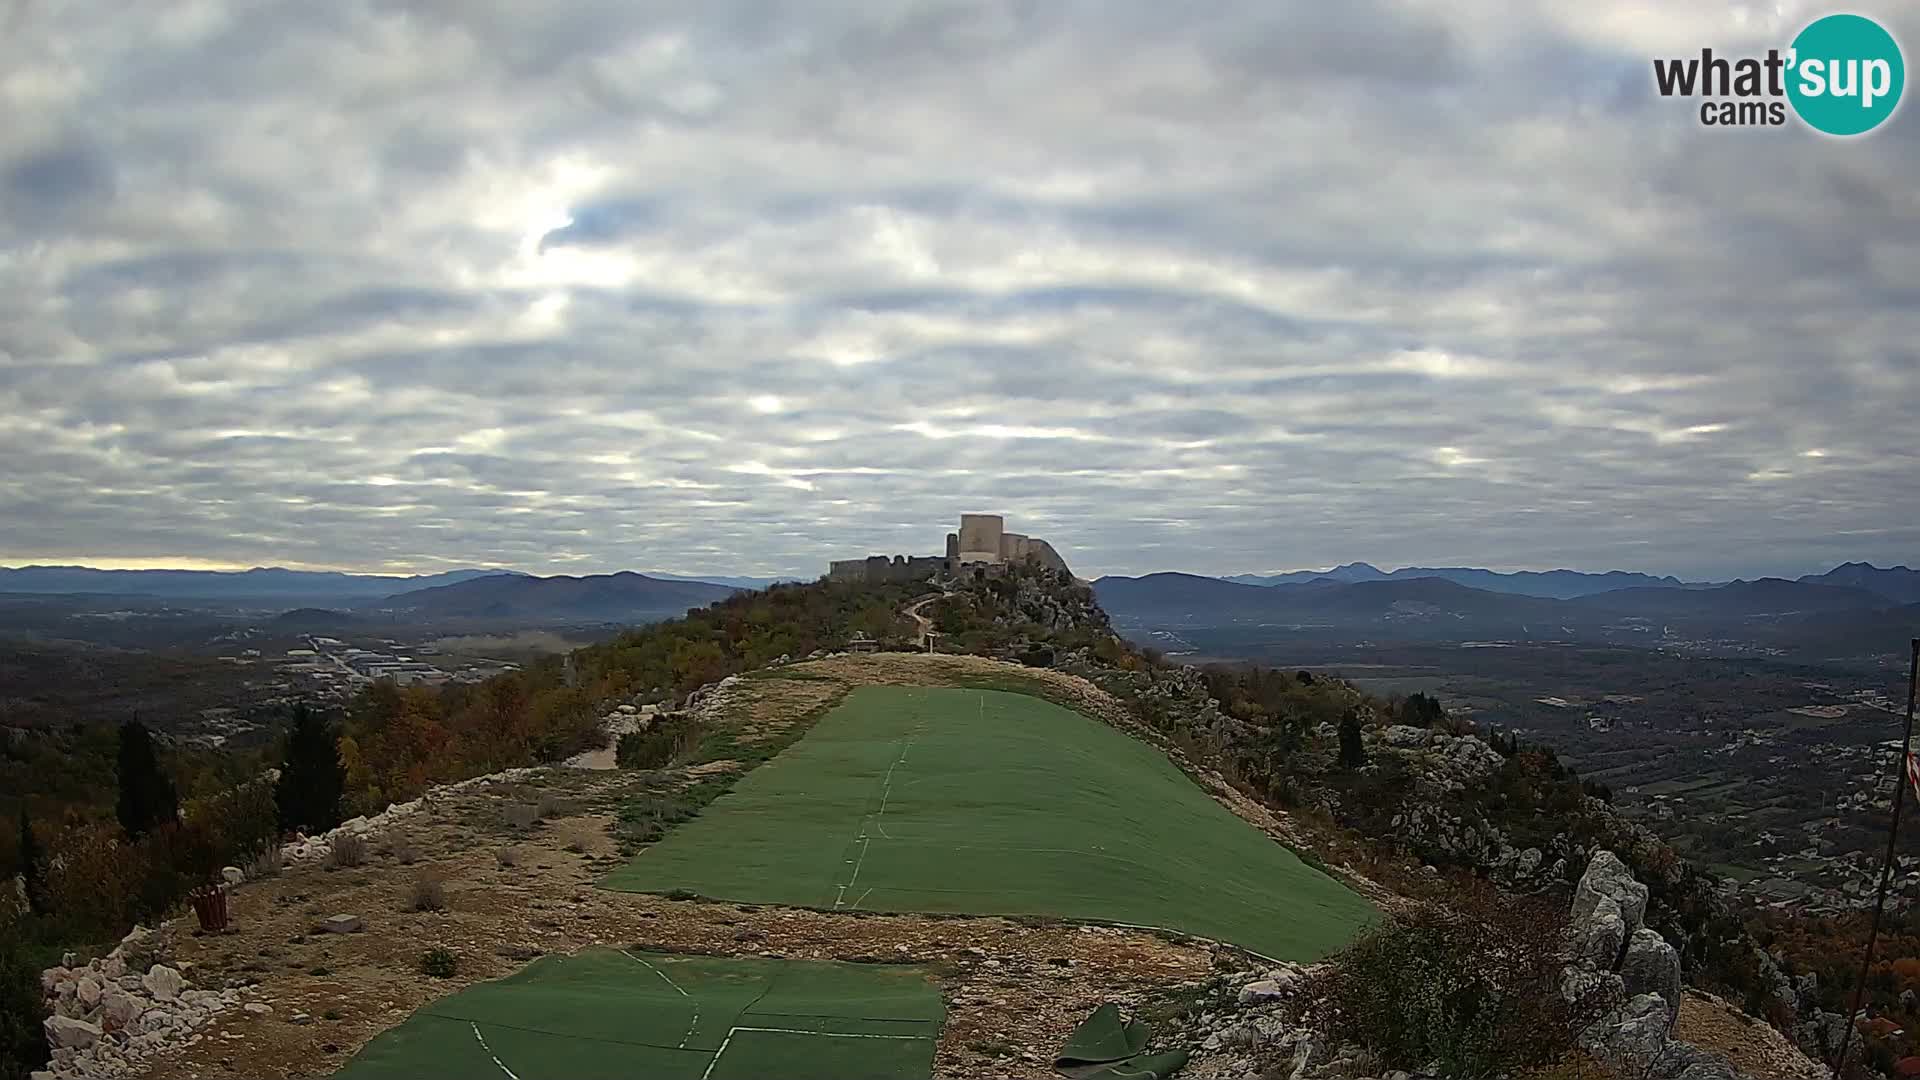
x,y
983,802
620,1015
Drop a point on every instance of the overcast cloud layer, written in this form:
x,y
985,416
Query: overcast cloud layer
x,y
743,286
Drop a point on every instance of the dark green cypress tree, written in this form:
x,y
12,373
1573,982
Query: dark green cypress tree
x,y
30,865
147,797
23,1011
1353,753
312,779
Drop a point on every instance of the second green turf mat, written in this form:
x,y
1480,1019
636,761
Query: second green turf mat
x,y
621,1015
982,802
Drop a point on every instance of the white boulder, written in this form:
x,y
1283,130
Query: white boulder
x,y
163,982
65,1031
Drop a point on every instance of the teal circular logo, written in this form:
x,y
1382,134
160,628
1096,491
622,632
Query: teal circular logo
x,y
1846,75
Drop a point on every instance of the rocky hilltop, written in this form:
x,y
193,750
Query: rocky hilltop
x,y
1424,815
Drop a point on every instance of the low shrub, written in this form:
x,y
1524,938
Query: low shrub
x,y
347,850
670,739
439,962
267,864
552,806
405,854
429,893
646,818
521,815
1473,984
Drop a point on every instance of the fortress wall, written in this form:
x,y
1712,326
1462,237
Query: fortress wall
x,y
847,570
881,568
1041,552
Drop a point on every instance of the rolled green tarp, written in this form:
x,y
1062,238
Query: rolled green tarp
x,y
1106,1047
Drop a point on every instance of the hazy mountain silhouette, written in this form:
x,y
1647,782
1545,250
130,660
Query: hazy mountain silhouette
x,y
1557,584
259,583
611,597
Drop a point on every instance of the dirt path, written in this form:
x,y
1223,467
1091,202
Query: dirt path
x,y
924,625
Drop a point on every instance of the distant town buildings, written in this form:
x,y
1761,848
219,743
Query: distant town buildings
x,y
982,546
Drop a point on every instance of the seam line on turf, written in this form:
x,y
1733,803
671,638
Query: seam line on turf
x,y
695,1022
834,1034
886,793
558,1035
496,1058
724,1043
886,789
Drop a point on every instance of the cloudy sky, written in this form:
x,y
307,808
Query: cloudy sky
x,y
742,286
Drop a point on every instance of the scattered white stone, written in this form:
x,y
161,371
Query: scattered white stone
x,y
1406,736
258,1008
163,982
232,875
69,1032
1261,992
119,1010
344,924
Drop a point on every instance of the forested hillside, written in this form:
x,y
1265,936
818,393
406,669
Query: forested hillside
x,y
1394,789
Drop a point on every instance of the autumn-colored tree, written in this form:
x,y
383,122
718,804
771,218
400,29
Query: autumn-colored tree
x,y
395,743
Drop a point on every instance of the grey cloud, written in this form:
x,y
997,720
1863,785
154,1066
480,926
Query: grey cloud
x,y
752,285
49,180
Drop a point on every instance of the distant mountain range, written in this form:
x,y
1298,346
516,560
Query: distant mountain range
x,y
621,597
1898,583
1895,582
259,583
1554,584
723,579
1773,611
270,585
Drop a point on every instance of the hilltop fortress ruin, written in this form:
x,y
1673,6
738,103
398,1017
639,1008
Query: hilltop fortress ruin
x,y
983,547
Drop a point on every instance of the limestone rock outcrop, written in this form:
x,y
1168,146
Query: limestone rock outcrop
x,y
1613,954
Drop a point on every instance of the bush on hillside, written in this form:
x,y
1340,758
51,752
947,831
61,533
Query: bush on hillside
x,y
23,1041
242,821
667,741
347,850
429,892
92,883
1473,985
439,962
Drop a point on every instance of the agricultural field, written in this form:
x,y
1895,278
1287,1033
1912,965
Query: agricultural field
x,y
946,800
